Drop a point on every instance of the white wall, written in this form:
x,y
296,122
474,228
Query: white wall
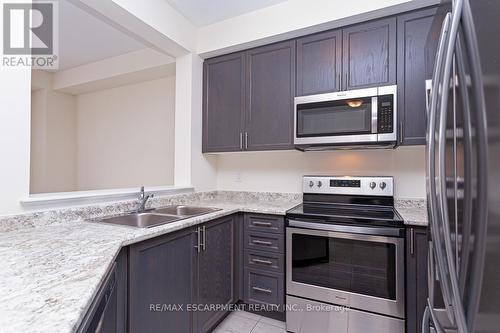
x,y
53,142
282,171
126,136
14,137
290,19
192,168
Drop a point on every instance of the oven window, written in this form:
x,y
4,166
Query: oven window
x,y
344,117
362,267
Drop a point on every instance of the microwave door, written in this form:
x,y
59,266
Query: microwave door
x,y
347,120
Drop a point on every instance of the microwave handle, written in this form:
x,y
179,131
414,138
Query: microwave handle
x,y
378,231
374,114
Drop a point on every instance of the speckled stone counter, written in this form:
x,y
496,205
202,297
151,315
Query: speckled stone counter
x,y
413,212
54,262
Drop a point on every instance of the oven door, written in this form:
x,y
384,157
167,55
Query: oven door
x,y
343,117
364,272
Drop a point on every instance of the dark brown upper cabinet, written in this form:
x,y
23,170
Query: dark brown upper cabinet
x,y
269,97
248,96
418,37
369,54
248,99
223,103
319,63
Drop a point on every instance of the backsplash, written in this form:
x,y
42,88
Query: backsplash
x,y
282,171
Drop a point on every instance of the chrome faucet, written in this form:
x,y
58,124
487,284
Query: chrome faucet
x,y
143,198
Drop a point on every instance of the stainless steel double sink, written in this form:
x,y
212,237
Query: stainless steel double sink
x,y
155,217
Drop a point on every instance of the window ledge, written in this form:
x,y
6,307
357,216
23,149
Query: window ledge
x,y
65,199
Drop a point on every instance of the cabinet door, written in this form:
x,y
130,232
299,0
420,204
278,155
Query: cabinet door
x,y
270,94
418,36
416,277
223,103
369,54
216,273
319,63
161,274
121,288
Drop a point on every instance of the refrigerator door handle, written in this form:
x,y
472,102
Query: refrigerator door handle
x,y
429,312
465,246
457,306
481,217
437,88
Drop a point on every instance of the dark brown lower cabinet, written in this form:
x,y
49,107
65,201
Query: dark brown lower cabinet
x,y
170,273
216,271
108,311
264,263
161,272
416,277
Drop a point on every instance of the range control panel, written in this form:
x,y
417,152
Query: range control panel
x,y
382,186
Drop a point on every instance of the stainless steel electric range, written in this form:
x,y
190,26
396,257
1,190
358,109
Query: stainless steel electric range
x,y
345,258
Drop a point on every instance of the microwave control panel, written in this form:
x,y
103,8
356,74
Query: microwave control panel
x,y
385,114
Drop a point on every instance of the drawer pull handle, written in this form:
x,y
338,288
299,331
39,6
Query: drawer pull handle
x,y
262,224
260,261
262,290
259,242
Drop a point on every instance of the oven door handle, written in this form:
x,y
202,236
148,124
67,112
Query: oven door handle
x,y
379,231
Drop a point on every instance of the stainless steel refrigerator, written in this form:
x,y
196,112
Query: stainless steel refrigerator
x,y
463,171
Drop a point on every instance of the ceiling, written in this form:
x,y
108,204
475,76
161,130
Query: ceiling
x,y
84,38
205,12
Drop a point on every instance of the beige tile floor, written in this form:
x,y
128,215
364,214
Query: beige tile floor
x,y
246,322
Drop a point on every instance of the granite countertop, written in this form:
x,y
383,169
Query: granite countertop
x,y
413,212
51,273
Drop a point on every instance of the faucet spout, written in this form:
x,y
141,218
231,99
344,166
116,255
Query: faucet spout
x,y
143,199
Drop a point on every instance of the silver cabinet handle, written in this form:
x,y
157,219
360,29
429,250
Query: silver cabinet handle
x,y
204,244
198,240
260,242
262,290
246,140
401,132
412,241
260,261
262,224
241,140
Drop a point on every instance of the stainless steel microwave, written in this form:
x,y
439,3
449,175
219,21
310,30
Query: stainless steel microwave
x,y
364,118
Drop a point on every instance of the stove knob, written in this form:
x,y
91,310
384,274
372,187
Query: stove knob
x,y
382,185
373,185
320,183
311,183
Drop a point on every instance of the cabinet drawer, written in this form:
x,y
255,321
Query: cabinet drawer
x,y
266,261
263,287
264,241
265,223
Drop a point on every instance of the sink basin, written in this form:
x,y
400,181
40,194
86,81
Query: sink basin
x,y
142,220
184,210
159,216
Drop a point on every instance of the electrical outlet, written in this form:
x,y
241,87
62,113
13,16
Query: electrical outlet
x,y
237,179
